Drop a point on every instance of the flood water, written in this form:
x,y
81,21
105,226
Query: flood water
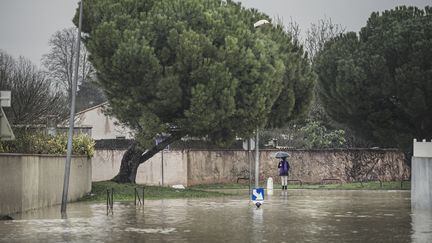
x,y
295,216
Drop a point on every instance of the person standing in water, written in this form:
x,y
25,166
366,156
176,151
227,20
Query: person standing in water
x,y
283,172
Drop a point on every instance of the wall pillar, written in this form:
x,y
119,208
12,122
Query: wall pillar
x,y
421,175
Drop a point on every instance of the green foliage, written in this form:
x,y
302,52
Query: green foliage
x,y
379,83
317,136
310,135
83,144
198,66
58,143
41,143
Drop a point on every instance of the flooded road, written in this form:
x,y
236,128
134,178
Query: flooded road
x,y
295,216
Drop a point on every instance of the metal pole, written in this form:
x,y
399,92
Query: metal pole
x,y
108,203
162,162
250,166
257,159
72,117
112,199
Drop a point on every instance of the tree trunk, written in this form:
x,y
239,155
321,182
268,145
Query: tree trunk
x,y
136,155
129,164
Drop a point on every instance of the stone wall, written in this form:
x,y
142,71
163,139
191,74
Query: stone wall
x,y
191,167
35,181
347,165
207,166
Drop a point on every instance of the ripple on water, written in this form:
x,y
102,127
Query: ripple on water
x,y
304,216
151,231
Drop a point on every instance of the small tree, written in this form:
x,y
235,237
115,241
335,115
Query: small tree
x,y
193,67
33,98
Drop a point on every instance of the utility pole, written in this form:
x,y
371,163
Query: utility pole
x,y
72,118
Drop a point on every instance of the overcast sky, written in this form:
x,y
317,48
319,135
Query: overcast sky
x,y
27,25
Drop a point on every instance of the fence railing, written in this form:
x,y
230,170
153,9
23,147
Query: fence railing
x,y
137,196
366,180
110,201
294,180
402,182
330,179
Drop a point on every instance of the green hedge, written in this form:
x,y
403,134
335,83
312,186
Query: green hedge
x,y
41,143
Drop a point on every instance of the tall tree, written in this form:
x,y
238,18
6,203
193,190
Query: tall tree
x,y
33,98
379,83
318,34
192,67
313,41
60,61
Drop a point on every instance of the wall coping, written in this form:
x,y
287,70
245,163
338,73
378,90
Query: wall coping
x,y
275,150
299,150
422,148
40,155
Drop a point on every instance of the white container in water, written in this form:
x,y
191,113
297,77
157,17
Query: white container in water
x,y
270,186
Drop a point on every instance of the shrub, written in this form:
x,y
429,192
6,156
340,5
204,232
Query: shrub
x,y
42,143
83,144
310,135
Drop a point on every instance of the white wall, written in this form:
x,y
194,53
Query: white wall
x,y
103,127
421,183
421,175
35,181
422,148
106,165
174,169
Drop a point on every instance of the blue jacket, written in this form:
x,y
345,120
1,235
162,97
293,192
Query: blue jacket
x,y
283,167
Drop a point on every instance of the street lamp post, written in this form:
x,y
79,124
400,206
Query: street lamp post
x,y
71,118
257,160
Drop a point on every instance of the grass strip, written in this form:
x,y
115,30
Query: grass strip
x,y
126,192
372,185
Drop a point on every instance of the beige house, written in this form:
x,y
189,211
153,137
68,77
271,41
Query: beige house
x,y
103,126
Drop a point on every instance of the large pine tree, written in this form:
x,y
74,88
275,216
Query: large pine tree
x,y
193,67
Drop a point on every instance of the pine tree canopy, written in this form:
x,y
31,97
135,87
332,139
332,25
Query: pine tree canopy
x,y
379,83
198,66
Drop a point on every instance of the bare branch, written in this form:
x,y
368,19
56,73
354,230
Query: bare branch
x,y
61,59
319,33
33,98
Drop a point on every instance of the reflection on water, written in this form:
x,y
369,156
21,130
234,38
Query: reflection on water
x,y
293,216
422,226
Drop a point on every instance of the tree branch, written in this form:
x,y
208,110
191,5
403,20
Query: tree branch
x,y
162,145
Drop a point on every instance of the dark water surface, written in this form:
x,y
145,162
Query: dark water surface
x,y
295,216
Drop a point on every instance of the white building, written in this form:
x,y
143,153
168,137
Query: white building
x,y
103,126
